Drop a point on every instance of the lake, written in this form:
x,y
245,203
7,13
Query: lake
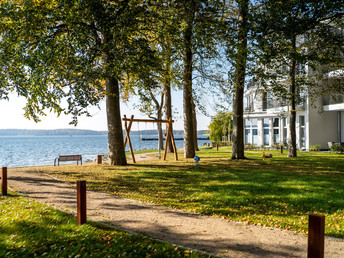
x,y
18,151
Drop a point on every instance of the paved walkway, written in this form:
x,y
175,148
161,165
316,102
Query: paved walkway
x,y
213,235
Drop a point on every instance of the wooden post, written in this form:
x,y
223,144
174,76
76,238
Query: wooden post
x,y
129,128
81,202
217,146
172,139
281,148
168,136
316,236
4,181
99,159
127,138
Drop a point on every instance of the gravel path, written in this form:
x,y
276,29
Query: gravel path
x,y
213,235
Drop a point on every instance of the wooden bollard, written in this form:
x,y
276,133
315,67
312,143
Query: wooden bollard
x,y
4,180
81,202
316,236
99,159
281,148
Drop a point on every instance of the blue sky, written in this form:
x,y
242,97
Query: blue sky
x,y
12,116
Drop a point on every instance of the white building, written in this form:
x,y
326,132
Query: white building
x,y
267,122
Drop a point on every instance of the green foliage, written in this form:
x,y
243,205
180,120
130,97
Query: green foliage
x,y
302,32
58,54
29,229
220,126
280,194
314,147
337,148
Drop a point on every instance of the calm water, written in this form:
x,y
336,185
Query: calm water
x,y
42,150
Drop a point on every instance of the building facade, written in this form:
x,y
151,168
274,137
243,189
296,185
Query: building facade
x,y
266,120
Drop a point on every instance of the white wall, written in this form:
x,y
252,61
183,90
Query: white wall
x,y
323,127
342,126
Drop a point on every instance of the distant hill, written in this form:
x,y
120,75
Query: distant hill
x,y
28,132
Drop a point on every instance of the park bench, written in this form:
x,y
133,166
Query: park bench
x,y
76,158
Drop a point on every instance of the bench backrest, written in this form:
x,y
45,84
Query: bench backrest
x,y
70,158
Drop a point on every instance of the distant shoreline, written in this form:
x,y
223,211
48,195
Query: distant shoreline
x,y
75,132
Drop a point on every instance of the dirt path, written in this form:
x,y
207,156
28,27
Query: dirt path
x,y
217,236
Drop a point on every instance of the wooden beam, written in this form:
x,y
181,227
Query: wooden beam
x,y
81,202
127,137
4,181
168,136
167,139
148,120
316,236
99,159
174,144
129,128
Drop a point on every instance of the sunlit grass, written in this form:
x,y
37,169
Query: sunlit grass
x,y
29,229
280,194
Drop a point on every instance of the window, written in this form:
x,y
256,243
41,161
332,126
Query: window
x,y
265,101
285,131
247,123
276,136
255,136
266,122
275,122
254,123
302,131
266,137
248,136
302,120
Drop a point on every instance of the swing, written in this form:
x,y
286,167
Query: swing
x,y
141,138
169,135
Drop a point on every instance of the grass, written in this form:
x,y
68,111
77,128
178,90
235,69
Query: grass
x,y
29,229
281,194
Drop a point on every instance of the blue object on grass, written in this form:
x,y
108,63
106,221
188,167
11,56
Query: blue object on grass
x,y
196,158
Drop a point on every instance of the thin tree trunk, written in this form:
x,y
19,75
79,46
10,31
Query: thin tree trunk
x,y
160,135
195,127
168,102
189,147
292,106
239,83
159,117
159,126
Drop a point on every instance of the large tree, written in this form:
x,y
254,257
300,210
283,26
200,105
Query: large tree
x,y
236,33
293,34
73,50
200,20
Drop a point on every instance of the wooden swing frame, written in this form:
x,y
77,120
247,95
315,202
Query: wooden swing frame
x,y
169,135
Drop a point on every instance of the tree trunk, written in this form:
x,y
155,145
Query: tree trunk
x,y
292,106
189,147
160,136
168,103
115,131
239,83
159,128
195,127
158,107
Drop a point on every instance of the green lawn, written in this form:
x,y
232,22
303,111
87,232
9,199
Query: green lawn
x,y
29,229
280,194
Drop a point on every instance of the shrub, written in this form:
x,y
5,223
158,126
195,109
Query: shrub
x,y
314,147
276,147
337,148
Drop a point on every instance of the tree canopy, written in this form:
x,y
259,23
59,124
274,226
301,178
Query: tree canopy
x,y
74,50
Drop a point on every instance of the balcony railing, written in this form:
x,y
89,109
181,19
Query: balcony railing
x,y
328,100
